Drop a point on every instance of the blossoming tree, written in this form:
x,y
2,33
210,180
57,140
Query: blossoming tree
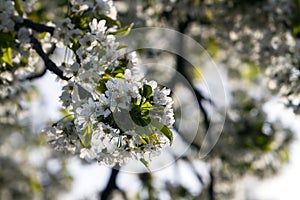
x,y
112,114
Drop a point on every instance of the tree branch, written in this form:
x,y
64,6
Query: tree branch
x,y
50,65
35,76
35,26
185,158
181,64
112,185
36,45
43,72
211,186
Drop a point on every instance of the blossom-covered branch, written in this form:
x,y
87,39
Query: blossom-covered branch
x,y
50,65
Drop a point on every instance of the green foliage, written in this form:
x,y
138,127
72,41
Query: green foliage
x,y
6,56
19,7
111,22
86,138
67,114
163,129
147,92
140,115
7,41
124,30
145,163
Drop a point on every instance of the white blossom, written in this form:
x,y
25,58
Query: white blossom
x,y
98,28
87,154
88,41
80,5
161,96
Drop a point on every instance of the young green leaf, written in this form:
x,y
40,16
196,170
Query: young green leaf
x,y
145,163
110,21
168,133
87,136
163,129
19,7
6,55
147,90
155,139
124,31
145,139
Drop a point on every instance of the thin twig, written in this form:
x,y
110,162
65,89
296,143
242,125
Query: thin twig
x,y
35,76
211,186
50,65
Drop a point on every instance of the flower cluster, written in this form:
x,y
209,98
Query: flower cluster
x,y
82,11
117,115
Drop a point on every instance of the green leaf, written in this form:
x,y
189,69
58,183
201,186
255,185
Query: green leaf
x,y
6,43
124,31
42,35
145,139
146,107
163,129
120,69
87,136
6,40
67,114
123,64
168,133
119,75
110,21
140,118
6,55
155,139
101,87
19,7
145,163
147,91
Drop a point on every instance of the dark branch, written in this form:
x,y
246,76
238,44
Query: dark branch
x,y
181,64
185,158
35,26
50,65
35,76
200,99
112,185
211,186
43,72
51,50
